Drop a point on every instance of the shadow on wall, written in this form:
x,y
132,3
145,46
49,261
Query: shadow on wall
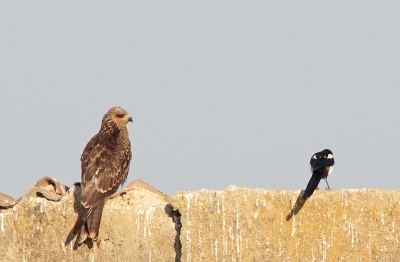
x,y
297,206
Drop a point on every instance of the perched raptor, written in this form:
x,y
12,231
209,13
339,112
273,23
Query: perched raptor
x,y
321,166
105,165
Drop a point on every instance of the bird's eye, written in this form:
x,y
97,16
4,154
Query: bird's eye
x,y
120,115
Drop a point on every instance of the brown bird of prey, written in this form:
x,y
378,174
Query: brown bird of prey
x,y
105,165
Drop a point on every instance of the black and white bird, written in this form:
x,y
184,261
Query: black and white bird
x,y
321,166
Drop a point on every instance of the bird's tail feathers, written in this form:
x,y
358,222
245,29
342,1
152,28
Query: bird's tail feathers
x,y
93,222
82,218
88,222
82,234
312,184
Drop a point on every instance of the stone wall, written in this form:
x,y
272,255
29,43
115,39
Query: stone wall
x,y
239,224
134,227
235,224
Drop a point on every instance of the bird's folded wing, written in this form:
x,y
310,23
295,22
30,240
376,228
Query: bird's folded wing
x,y
103,172
321,162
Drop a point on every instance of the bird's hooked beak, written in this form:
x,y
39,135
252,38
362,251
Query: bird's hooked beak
x,y
130,119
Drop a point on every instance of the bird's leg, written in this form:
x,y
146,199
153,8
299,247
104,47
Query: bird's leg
x,y
326,180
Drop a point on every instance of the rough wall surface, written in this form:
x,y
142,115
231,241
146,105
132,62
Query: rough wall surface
x,y
238,224
134,227
235,224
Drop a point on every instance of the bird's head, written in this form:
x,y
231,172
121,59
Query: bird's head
x,y
327,153
119,116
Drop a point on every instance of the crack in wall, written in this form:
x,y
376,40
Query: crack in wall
x,y
176,218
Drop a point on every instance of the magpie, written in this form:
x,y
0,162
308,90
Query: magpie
x,y
321,166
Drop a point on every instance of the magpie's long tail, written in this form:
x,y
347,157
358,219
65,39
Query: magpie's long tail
x,y
312,184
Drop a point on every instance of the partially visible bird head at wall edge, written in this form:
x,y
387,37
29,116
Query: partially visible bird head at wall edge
x,y
118,116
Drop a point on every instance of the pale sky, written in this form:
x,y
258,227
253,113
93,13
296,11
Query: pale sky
x,y
221,92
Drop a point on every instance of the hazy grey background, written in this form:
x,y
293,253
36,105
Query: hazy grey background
x,y
221,93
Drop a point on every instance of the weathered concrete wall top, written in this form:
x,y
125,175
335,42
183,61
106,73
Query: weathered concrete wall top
x,y
134,227
238,224
235,224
